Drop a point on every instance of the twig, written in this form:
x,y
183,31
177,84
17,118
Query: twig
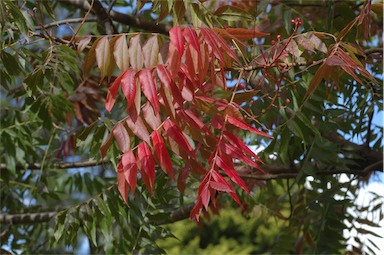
x,y
103,17
66,21
132,21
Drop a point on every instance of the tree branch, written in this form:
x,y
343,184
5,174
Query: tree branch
x,y
60,165
66,21
103,17
137,22
26,218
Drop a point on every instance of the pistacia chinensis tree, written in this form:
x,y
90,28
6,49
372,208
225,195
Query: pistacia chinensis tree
x,y
119,117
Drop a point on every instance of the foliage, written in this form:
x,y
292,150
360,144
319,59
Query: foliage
x,y
168,104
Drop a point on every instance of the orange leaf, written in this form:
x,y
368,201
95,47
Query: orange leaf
x,y
122,184
150,117
161,153
103,56
136,52
112,93
130,170
177,39
151,51
138,128
227,166
174,132
147,166
245,126
128,86
149,88
120,53
121,137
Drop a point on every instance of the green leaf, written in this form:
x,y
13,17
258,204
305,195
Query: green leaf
x,y
60,225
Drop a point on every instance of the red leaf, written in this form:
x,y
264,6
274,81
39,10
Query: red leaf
x,y
219,186
193,120
104,147
226,48
174,132
177,39
161,153
120,53
147,166
130,170
81,44
153,120
174,60
121,137
239,143
122,184
319,75
237,153
103,55
112,93
90,58
196,210
230,171
245,126
151,51
192,62
191,38
210,39
136,52
138,128
149,88
220,179
244,34
166,78
205,195
128,85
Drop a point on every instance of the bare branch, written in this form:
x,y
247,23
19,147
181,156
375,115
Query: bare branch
x,y
26,218
66,21
103,16
132,21
60,165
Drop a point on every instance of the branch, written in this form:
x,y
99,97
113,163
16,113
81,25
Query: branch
x,y
374,50
26,218
103,17
35,218
60,165
132,21
66,21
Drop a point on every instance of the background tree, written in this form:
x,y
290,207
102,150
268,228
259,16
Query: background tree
x,y
166,98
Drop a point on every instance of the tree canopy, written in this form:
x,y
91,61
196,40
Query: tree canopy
x,y
121,118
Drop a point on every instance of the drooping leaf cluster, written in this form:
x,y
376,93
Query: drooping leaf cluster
x,y
174,118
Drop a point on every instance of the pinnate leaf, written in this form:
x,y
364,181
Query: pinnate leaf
x,y
128,85
245,126
228,168
138,128
130,169
161,153
211,39
235,141
112,93
147,166
136,52
191,38
149,88
166,78
174,132
151,51
103,55
120,52
121,137
122,184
